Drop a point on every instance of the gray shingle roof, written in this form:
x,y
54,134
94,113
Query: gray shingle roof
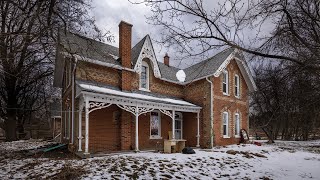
x,y
89,48
201,69
208,66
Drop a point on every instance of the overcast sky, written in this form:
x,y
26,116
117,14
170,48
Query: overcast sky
x,y
109,13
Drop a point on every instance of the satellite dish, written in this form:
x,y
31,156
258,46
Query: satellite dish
x,y
181,76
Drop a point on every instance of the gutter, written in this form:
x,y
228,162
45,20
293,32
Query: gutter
x,y
211,112
97,62
72,94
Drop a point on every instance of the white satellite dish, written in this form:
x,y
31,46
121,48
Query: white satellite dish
x,y
181,75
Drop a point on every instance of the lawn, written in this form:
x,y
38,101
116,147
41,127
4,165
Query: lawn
x,y
282,160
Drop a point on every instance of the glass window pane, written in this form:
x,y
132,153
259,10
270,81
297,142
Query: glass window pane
x,y
155,124
178,124
224,130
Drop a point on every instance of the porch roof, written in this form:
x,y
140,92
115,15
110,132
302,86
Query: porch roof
x,y
95,88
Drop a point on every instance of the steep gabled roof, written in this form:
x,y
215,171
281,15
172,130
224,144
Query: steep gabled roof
x,y
135,51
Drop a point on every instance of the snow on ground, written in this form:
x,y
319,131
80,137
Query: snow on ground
x,y
23,145
282,160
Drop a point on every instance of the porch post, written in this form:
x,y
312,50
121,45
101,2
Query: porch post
x,y
80,128
86,151
198,130
173,124
137,129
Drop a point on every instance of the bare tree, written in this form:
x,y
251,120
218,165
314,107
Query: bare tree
x,y
273,29
287,104
28,31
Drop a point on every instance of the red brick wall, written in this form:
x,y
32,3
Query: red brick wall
x,y
157,85
231,104
145,142
199,93
104,130
126,128
97,73
190,129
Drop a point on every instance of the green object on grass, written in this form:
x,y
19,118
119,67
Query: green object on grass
x,y
54,147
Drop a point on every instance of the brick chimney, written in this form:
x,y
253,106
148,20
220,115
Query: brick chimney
x,y
125,43
125,54
166,59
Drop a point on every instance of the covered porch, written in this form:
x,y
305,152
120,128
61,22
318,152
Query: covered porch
x,y
145,121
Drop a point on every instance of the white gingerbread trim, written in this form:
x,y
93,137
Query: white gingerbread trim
x,y
147,51
97,105
166,112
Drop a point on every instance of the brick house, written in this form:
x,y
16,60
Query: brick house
x,y
121,99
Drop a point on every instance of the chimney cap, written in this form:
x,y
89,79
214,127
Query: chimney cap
x,y
166,55
124,22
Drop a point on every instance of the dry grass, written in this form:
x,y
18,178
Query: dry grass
x,y
69,172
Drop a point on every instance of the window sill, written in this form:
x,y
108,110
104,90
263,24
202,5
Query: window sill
x,y
238,97
155,137
226,137
237,136
144,89
226,94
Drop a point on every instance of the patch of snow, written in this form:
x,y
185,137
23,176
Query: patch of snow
x,y
181,75
133,95
114,56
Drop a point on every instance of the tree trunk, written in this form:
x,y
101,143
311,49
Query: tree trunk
x,y
11,126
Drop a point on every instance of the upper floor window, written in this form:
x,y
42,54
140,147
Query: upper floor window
x,y
225,124
225,83
144,76
237,125
236,86
155,125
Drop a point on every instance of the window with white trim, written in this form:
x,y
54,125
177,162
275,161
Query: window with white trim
x,y
236,86
225,83
225,125
178,125
155,125
237,125
144,76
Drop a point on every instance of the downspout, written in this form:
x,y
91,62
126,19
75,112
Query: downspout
x,y
72,94
211,112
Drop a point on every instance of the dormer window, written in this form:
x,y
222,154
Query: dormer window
x,y
225,83
144,76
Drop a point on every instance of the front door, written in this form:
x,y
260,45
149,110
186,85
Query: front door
x,y
178,125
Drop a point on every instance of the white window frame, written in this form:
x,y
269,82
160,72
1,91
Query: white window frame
x,y
159,129
144,64
225,124
179,119
237,119
237,86
225,73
